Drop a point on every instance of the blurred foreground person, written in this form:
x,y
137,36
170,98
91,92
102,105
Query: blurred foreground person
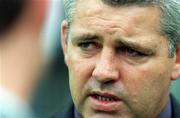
x,y
20,54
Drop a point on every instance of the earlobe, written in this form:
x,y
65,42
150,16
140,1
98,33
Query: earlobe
x,y
176,69
64,39
176,72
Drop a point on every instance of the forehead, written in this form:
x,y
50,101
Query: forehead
x,y
95,11
97,8
140,24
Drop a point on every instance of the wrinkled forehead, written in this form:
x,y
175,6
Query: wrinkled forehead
x,y
87,10
96,6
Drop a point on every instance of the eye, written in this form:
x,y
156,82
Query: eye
x,y
130,52
88,46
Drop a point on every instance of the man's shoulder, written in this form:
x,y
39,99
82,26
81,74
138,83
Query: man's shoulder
x,y
68,112
175,107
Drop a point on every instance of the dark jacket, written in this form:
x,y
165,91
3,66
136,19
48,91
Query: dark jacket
x,y
175,107
69,112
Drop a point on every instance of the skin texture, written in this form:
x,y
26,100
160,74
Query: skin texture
x,y
122,52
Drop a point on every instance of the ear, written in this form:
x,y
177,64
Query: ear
x,y
176,70
64,37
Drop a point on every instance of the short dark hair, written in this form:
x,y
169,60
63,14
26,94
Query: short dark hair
x,y
9,12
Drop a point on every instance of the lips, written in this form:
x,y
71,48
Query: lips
x,y
105,97
107,102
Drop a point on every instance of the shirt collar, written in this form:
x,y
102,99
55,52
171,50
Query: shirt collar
x,y
76,114
166,113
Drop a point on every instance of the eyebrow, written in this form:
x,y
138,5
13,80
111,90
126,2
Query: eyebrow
x,y
85,37
118,42
135,46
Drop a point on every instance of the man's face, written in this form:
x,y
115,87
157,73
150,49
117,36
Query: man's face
x,y
118,61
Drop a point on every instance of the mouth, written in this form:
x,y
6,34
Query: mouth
x,y
105,102
105,97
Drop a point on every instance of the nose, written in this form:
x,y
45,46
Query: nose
x,y
106,69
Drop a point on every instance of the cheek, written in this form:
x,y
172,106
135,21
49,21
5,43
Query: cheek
x,y
79,73
147,77
145,85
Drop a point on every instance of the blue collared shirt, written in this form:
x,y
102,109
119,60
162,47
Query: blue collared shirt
x,y
166,113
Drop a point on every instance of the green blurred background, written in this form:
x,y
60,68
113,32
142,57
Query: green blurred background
x,y
175,88
53,94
